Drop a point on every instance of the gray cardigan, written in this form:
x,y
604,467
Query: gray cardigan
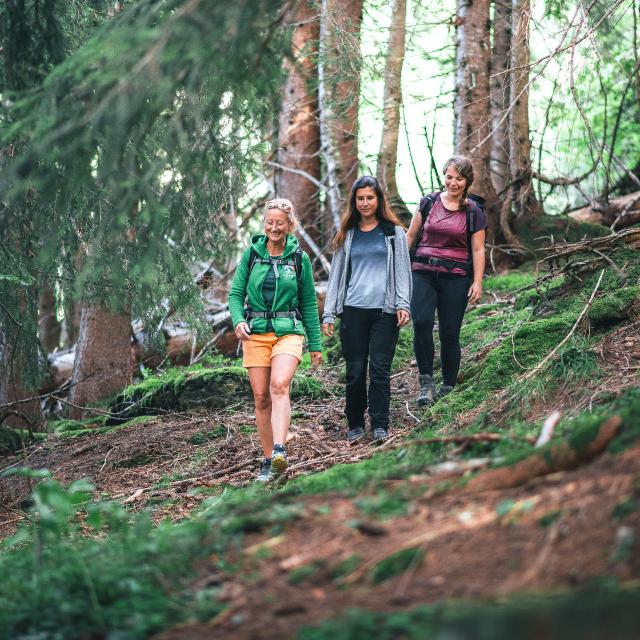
x,y
399,283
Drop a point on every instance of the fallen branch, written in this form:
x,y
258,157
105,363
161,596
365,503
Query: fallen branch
x,y
561,457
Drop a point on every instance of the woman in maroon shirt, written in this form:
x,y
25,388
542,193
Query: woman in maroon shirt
x,y
447,267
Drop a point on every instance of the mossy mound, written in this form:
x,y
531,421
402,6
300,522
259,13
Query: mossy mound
x,y
181,389
14,440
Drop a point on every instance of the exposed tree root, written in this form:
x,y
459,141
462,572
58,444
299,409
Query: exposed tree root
x,y
560,457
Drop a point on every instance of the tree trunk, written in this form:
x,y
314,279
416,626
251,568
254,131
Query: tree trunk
x,y
103,357
524,200
14,362
338,92
472,103
49,329
500,94
388,153
299,131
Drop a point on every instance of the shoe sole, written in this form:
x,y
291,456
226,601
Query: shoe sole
x,y
279,464
380,438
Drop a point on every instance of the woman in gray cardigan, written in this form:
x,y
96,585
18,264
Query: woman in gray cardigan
x,y
370,291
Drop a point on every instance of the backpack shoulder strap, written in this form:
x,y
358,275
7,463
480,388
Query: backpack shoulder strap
x,y
253,256
389,231
297,259
426,203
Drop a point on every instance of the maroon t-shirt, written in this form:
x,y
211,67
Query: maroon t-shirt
x,y
444,235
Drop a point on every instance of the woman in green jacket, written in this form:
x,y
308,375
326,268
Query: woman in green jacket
x,y
276,279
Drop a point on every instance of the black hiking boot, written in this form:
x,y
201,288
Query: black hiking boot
x,y
445,389
279,460
427,394
380,434
355,434
266,474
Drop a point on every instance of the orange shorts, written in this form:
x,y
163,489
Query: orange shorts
x,y
261,347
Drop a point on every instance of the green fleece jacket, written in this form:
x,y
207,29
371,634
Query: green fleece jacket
x,y
248,286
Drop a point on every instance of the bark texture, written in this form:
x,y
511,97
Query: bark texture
x,y
103,362
500,94
338,91
299,130
472,103
524,199
388,153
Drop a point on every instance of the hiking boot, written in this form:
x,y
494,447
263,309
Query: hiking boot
x,y
427,394
279,461
266,474
445,389
355,434
380,434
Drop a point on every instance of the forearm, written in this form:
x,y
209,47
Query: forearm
x,y
478,265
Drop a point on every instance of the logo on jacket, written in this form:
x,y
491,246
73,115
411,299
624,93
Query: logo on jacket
x,y
288,271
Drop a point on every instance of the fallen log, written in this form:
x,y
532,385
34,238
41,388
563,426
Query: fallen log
x,y
621,212
582,446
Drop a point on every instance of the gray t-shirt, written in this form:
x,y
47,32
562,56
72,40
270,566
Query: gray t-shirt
x,y
368,282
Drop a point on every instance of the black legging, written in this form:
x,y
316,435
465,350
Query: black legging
x,y
448,294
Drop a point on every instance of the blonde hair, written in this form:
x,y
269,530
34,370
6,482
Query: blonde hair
x,y
285,206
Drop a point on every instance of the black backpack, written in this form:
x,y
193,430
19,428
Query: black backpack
x,y
426,204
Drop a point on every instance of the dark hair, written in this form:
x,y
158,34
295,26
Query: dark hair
x,y
351,217
464,167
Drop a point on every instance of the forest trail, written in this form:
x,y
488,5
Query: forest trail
x,y
171,463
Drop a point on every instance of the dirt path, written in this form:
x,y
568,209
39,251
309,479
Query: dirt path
x,y
156,464
557,532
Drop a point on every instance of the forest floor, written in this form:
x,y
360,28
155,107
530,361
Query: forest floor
x,y
388,528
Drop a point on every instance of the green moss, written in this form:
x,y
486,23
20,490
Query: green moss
x,y
396,564
305,572
625,508
383,505
614,306
549,518
508,282
345,567
14,440
182,389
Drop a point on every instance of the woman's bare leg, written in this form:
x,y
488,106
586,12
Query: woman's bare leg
x,y
260,378
283,366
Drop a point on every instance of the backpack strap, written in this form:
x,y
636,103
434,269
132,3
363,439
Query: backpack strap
x,y
426,204
389,231
295,262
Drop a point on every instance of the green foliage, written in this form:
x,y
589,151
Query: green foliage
x,y
396,564
600,611
126,157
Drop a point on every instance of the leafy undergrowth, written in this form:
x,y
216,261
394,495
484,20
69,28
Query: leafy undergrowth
x,y
381,535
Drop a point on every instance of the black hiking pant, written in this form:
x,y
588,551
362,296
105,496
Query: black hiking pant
x,y
447,293
368,337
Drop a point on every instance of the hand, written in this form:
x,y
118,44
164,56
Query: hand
x,y
403,317
242,331
475,292
316,359
327,329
